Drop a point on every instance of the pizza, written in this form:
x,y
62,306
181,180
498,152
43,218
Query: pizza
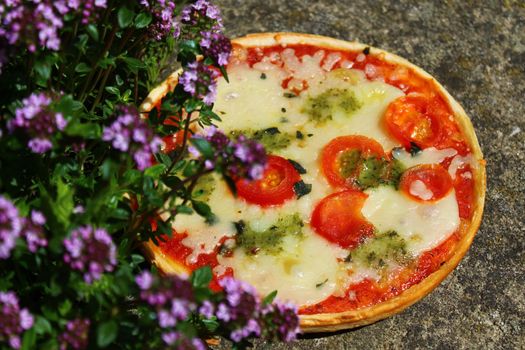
x,y
373,191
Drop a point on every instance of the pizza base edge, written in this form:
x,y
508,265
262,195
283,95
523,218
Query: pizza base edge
x,y
329,322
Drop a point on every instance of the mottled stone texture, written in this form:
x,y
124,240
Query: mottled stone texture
x,y
477,50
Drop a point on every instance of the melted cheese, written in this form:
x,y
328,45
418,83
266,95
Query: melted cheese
x,y
305,272
429,155
423,225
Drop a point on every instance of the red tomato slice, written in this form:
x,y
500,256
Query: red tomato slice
x,y
275,187
338,218
414,118
333,158
433,182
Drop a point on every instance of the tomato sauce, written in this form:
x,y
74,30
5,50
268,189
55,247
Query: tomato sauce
x,y
369,292
176,250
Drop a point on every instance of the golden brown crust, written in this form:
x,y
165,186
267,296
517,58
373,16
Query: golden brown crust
x,y
336,321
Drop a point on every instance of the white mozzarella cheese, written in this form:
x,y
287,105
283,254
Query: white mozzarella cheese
x,y
429,155
423,225
305,272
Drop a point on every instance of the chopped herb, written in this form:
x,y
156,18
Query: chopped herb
x,y
310,135
319,285
414,149
299,135
283,110
284,120
240,226
302,189
289,95
297,166
222,112
366,51
272,131
263,76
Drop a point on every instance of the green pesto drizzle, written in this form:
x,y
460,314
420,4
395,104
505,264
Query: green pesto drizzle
x,y
378,251
204,188
270,240
321,107
272,138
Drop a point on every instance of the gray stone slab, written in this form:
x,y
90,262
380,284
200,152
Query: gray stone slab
x,y
477,50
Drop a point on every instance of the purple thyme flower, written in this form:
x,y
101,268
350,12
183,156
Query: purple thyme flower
x,y
207,309
38,22
242,158
13,320
130,133
10,227
281,321
171,297
33,231
202,14
91,251
38,121
75,336
200,81
217,46
144,280
164,21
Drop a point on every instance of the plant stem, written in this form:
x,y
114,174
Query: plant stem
x,y
184,141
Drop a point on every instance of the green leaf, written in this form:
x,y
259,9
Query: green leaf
x,y
270,298
134,64
65,307
106,62
64,202
113,90
201,277
211,324
183,209
155,171
125,17
203,146
84,130
29,339
43,71
142,20
137,259
106,333
92,30
42,325
82,68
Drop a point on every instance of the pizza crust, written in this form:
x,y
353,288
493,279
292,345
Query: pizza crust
x,y
330,322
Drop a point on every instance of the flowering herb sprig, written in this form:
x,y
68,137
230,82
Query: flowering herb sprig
x,y
86,177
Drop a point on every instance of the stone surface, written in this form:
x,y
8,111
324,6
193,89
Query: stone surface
x,y
477,50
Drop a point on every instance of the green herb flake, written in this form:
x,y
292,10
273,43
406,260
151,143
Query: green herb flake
x,y
301,189
289,95
297,166
319,285
263,76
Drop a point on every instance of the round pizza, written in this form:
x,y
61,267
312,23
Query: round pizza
x,y
373,190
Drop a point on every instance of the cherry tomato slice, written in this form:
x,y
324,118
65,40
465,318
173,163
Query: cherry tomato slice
x,y
275,187
340,158
414,118
426,183
338,218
